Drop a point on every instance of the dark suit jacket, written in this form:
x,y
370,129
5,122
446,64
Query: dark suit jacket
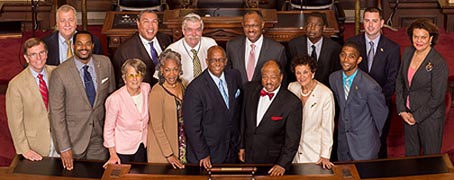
x,y
362,116
277,137
428,87
71,115
386,63
133,48
328,60
53,56
212,129
271,49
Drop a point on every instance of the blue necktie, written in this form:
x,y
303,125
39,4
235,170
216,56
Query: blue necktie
x,y
154,54
223,93
89,86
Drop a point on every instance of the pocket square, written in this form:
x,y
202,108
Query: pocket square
x,y
104,80
237,94
276,118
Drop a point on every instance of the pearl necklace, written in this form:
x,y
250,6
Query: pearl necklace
x,y
309,92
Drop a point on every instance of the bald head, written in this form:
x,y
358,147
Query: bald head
x,y
271,75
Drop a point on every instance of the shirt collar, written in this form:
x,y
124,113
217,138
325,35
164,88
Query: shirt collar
x,y
257,43
376,40
35,74
80,65
146,42
275,91
215,78
350,78
317,44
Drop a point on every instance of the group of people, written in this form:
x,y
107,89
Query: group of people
x,y
192,101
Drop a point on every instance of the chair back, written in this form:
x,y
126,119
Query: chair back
x,y
311,4
140,5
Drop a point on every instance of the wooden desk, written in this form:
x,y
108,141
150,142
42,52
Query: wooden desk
x,y
448,10
220,24
424,167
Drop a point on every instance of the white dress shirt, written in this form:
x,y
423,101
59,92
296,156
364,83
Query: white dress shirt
x,y
264,104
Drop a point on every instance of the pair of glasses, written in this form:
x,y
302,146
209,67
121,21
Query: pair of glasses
x,y
132,76
35,55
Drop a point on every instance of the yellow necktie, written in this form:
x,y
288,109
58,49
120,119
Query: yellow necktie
x,y
69,52
197,68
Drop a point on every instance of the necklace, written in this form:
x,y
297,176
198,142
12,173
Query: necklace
x,y
310,91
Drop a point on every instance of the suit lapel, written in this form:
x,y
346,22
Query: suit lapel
x,y
405,66
362,43
34,87
229,80
241,49
354,87
213,87
340,88
423,65
143,53
261,59
274,106
254,103
74,74
98,70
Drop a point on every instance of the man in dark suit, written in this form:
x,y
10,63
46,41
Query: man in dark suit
x,y
79,88
146,45
248,53
211,111
59,42
381,62
271,121
362,107
324,50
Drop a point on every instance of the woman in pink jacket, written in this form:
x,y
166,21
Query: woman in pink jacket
x,y
126,123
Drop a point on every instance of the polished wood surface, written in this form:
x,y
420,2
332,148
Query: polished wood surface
x,y
220,24
424,167
448,10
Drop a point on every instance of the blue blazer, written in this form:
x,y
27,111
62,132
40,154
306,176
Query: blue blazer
x,y
386,63
212,129
362,117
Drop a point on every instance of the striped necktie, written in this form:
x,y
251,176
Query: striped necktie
x,y
197,68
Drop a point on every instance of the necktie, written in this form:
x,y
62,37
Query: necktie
x,y
314,53
89,86
370,55
153,53
251,63
224,93
69,52
346,88
43,90
197,68
264,93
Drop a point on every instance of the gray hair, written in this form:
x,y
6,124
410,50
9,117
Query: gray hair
x,y
193,17
168,55
66,8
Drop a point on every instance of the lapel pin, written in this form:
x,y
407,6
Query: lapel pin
x,y
356,87
429,67
381,49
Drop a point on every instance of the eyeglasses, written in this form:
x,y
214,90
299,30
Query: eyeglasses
x,y
220,60
132,76
35,55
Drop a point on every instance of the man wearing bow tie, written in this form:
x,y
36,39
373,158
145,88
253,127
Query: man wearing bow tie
x,y
271,122
211,110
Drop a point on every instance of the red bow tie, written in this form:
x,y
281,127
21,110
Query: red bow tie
x,y
264,93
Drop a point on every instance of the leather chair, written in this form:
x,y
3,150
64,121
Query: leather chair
x,y
309,4
139,5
